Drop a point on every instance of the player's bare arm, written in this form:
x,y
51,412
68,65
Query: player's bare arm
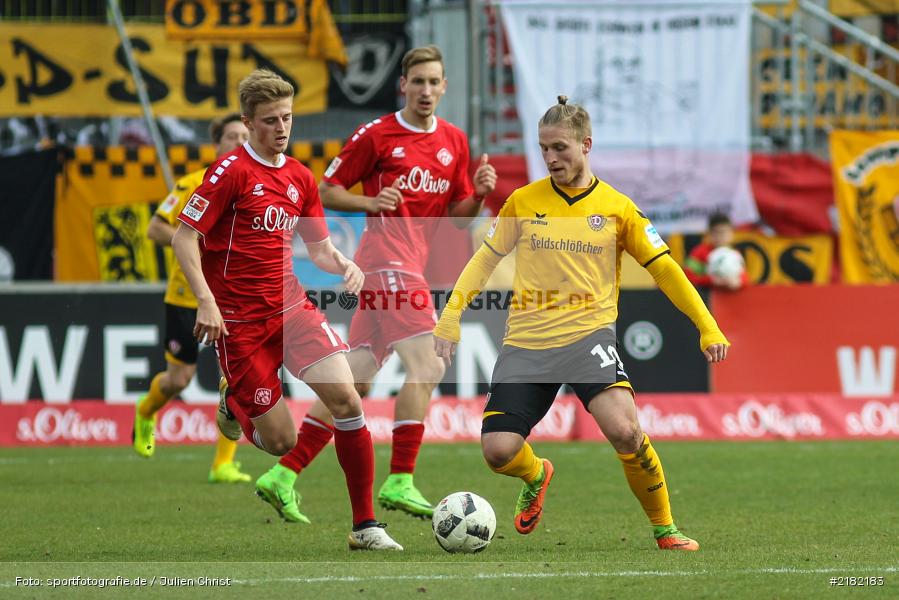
x,y
160,231
484,182
336,197
326,257
210,325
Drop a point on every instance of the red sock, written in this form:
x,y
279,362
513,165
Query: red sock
x,y
406,443
311,439
246,423
357,458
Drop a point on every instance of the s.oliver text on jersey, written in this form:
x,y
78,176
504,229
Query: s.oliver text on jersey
x,y
421,180
275,219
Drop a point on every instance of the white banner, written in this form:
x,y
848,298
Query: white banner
x,y
666,85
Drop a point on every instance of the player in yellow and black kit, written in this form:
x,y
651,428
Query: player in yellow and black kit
x,y
228,133
569,231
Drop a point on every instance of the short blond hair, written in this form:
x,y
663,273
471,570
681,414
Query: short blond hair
x,y
422,54
259,87
572,116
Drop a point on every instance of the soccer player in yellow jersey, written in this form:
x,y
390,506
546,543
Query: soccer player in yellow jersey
x,y
228,133
569,230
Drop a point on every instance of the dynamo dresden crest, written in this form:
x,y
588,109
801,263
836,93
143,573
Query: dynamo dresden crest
x,y
596,222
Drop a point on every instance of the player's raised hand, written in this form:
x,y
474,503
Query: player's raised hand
x,y
484,177
716,353
389,198
444,349
210,325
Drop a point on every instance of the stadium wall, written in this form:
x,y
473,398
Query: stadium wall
x,y
73,360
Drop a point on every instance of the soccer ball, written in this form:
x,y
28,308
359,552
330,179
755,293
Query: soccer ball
x,y
464,522
726,263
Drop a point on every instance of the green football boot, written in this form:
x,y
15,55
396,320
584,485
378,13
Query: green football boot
x,y
228,472
142,432
399,493
276,487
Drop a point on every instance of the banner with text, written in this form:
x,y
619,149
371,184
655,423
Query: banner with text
x,y
866,182
449,419
308,22
81,70
666,86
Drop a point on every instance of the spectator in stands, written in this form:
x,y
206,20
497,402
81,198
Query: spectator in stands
x,y
720,235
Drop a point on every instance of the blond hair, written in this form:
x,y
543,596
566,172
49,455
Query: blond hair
x,y
419,55
572,116
260,87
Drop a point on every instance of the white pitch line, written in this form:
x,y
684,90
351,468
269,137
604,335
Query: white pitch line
x,y
568,574
571,574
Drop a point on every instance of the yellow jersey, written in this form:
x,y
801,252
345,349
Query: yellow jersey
x,y
568,263
178,291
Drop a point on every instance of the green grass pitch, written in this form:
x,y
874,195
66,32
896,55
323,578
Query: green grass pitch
x,y
775,520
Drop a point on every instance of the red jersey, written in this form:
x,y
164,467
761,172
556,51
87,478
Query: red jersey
x,y
431,168
247,211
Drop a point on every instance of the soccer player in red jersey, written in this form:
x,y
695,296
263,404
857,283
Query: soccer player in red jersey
x,y
413,166
252,306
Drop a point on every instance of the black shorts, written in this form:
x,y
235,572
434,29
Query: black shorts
x,y
180,345
525,382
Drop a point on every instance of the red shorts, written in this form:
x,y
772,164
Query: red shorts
x,y
252,353
393,307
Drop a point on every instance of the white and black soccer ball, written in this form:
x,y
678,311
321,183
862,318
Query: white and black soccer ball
x,y
726,263
464,522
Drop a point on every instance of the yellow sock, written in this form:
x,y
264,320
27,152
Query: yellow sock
x,y
525,465
644,473
224,451
154,400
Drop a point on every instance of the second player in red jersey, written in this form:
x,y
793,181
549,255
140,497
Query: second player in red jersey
x,y
414,169
429,169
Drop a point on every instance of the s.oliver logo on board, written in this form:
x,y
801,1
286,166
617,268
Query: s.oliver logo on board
x,y
655,422
754,419
875,418
180,425
51,424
